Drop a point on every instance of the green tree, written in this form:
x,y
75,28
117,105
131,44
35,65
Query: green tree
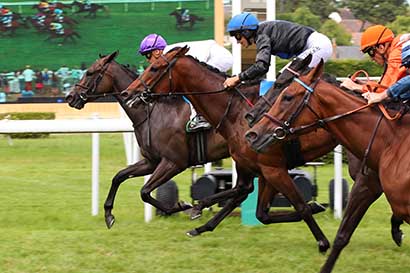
x,y
400,25
302,16
321,8
377,11
334,31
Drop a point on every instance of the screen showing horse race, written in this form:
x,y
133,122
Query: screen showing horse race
x,y
46,47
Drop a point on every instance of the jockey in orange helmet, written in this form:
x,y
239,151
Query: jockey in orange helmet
x,y
385,49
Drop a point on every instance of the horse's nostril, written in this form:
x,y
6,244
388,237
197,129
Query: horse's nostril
x,y
69,98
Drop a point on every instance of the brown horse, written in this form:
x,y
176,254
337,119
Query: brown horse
x,y
92,9
224,109
65,20
310,102
107,77
15,24
68,34
180,22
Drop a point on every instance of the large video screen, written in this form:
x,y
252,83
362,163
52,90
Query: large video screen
x,y
47,46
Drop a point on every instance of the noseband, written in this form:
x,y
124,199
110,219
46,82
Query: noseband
x,y
90,90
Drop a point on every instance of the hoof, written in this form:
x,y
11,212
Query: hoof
x,y
109,221
193,233
398,237
316,207
196,214
323,246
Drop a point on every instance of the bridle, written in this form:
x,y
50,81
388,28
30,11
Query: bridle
x,y
90,90
285,127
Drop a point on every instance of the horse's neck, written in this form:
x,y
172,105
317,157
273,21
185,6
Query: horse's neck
x,y
356,130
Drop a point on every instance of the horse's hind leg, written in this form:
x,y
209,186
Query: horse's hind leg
x,y
163,173
364,192
396,232
280,179
143,167
244,187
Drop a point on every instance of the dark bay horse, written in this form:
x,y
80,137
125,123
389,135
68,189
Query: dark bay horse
x,y
57,5
106,77
65,19
180,22
92,9
310,102
224,110
15,24
68,34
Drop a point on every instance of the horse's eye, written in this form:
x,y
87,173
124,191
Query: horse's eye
x,y
287,97
154,69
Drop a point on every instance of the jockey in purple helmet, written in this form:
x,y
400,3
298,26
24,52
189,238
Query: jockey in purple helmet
x,y
152,47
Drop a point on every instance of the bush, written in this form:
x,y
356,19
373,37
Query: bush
x,y
343,68
28,116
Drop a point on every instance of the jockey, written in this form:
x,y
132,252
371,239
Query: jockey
x,y
6,17
280,38
58,15
44,6
401,89
87,4
40,17
57,28
184,14
385,49
208,51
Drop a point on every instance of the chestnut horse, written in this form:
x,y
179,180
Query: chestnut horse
x,y
180,22
92,9
107,77
68,34
224,109
311,102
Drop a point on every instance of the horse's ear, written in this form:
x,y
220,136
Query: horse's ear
x,y
317,71
305,62
183,50
112,56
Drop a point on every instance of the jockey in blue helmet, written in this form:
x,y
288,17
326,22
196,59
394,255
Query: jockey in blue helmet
x,y
279,38
401,89
152,46
58,11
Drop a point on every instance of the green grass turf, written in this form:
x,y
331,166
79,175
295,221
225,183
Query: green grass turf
x,y
46,224
120,31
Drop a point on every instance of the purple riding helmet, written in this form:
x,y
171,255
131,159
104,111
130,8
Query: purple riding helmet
x,y
152,42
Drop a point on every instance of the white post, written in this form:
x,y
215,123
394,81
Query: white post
x,y
147,207
95,167
270,16
234,174
208,167
338,206
236,48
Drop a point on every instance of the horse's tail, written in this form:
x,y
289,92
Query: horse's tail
x,y
76,34
74,20
200,18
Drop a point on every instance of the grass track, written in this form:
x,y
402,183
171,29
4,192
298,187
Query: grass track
x,y
46,224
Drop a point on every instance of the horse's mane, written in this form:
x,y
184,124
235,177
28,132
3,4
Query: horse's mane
x,y
329,78
127,68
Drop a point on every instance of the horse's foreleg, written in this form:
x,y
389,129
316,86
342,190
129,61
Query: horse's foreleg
x,y
244,187
265,196
143,167
281,181
364,192
396,232
163,172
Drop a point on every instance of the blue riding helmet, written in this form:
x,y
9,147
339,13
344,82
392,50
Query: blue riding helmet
x,y
152,42
243,21
58,11
405,54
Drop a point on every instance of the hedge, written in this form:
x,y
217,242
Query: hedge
x,y
28,116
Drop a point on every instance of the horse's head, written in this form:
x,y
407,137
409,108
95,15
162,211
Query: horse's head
x,y
157,78
96,82
288,110
296,68
174,13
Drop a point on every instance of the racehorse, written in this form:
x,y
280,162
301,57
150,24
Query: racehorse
x,y
14,26
224,109
65,19
107,77
311,102
68,34
92,9
181,22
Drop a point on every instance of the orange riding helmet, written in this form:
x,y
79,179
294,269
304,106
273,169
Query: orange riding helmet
x,y
375,35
